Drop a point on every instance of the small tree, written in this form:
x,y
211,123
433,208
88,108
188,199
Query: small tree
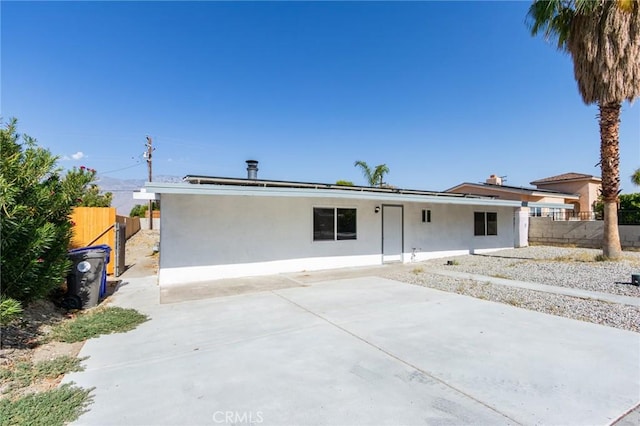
x,y
342,182
92,196
374,176
35,204
140,210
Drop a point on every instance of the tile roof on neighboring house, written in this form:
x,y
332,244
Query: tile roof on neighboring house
x,y
564,177
514,189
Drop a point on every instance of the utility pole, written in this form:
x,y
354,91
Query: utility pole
x,y
149,163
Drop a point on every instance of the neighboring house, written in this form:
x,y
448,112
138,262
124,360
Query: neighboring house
x,y
214,228
586,186
542,202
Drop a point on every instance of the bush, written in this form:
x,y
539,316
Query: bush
x,y
138,211
36,203
93,198
141,210
10,310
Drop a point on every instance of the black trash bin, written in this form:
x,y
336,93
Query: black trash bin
x,y
87,280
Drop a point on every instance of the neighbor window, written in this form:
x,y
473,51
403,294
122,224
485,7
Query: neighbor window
x,y
426,216
556,214
485,223
330,224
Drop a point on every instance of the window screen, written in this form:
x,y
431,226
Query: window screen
x,y
485,223
323,224
331,224
346,224
478,223
492,223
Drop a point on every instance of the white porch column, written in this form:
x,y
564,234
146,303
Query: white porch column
x,y
521,227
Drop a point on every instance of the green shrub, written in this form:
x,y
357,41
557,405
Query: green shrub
x,y
10,309
138,211
93,197
36,203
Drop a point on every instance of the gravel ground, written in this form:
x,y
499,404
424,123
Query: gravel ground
x,y
557,266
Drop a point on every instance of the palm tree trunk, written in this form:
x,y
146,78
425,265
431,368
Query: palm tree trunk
x,y
610,166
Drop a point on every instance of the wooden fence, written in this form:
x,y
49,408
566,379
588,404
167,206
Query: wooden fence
x,y
132,224
95,226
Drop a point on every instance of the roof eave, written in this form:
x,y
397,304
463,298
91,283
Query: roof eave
x,y
261,191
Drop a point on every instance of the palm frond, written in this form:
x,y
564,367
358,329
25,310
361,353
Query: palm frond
x,y
552,19
366,171
635,177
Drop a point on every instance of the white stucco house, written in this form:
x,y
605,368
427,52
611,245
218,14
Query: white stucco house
x,y
213,227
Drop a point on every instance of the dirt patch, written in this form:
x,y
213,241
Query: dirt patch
x,y
22,340
53,350
22,336
141,254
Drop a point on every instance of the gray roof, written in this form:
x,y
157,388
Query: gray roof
x,y
208,185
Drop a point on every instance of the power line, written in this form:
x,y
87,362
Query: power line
x,y
118,170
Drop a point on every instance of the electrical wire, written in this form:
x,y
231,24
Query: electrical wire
x,y
118,170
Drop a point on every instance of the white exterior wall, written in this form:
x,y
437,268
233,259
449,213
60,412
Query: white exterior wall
x,y
211,237
450,231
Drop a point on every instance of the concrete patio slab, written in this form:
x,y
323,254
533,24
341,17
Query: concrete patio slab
x,y
355,351
224,287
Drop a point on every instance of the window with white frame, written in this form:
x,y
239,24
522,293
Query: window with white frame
x,y
485,223
331,224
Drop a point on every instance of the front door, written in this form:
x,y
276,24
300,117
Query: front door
x,y
392,227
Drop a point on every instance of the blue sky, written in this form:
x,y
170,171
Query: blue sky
x,y
442,92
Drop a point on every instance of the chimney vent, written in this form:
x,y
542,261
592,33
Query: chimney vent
x,y
252,169
494,180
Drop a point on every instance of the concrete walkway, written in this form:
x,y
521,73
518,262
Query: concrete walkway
x,y
358,351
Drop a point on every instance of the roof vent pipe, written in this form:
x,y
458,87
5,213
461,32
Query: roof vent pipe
x,y
252,169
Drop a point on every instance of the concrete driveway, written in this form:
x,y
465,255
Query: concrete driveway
x,y
359,351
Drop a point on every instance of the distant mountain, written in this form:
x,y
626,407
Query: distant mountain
x,y
123,189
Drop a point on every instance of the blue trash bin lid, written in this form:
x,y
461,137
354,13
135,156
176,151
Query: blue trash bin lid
x,y
102,247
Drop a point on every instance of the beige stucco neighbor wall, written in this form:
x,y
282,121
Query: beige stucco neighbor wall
x,y
544,230
588,191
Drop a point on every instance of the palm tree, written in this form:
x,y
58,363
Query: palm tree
x,y
603,39
635,177
375,176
